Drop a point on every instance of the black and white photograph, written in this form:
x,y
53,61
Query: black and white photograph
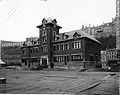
x,y
60,47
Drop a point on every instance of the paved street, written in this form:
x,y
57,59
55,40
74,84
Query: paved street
x,y
65,82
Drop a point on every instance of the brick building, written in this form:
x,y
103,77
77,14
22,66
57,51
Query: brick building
x,y
10,43
11,55
11,52
30,52
61,49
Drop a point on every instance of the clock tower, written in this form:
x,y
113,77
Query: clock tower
x,y
47,30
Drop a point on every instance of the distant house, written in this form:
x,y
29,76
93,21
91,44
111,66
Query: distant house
x,y
72,48
11,55
11,52
30,52
10,43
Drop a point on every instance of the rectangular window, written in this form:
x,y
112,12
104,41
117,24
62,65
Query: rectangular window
x,y
44,38
44,48
36,50
58,47
62,46
76,45
30,50
67,58
54,47
55,59
24,51
77,57
33,50
59,58
44,32
67,46
62,58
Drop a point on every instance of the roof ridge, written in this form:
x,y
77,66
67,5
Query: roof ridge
x,y
72,31
81,32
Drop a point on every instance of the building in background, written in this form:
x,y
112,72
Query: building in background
x,y
108,40
11,52
1,62
103,58
113,59
118,24
105,33
11,55
28,39
11,43
30,52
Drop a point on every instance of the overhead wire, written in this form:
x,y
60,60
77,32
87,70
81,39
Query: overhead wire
x,y
11,13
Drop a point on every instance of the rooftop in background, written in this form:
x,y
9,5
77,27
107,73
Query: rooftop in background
x,y
105,28
10,43
31,38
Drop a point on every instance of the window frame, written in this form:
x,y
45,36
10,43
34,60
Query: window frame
x,y
76,45
67,46
44,48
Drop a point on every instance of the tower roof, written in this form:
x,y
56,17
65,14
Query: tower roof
x,y
49,21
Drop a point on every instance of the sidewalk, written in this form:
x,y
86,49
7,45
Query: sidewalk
x,y
110,86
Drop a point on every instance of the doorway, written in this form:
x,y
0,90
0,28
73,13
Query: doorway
x,y
44,61
66,59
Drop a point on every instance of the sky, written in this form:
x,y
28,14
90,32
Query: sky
x,y
19,18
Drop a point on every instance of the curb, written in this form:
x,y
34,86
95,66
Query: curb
x,y
60,76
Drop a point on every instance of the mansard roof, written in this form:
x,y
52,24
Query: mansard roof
x,y
31,42
80,33
49,21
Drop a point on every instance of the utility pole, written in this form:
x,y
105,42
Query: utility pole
x,y
117,24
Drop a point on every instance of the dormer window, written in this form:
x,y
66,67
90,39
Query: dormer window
x,y
64,36
76,35
55,38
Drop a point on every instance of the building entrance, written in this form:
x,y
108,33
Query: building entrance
x,y
65,60
44,61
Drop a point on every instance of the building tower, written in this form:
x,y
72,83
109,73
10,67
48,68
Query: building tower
x,y
47,30
118,24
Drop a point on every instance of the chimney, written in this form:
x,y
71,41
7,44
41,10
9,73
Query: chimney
x,y
82,27
89,25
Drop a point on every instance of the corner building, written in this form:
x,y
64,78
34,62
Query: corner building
x,y
74,48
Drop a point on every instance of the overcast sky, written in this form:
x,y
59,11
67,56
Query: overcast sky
x,y
19,18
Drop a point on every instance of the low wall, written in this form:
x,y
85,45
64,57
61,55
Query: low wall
x,y
75,64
